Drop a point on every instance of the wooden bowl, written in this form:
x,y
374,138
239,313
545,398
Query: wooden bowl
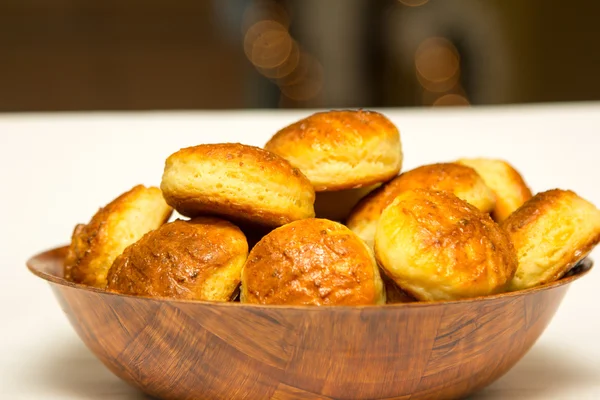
x,y
191,349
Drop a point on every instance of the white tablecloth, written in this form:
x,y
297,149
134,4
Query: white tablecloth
x,y
56,170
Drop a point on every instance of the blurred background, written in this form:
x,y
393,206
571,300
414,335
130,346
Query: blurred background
x,y
64,55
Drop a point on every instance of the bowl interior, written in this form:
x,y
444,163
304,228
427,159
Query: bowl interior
x,y
49,266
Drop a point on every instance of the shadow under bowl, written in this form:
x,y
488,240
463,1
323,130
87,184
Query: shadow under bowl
x,y
174,349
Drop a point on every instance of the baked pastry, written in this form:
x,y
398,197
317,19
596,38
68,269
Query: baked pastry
x,y
239,182
551,232
312,262
461,180
200,259
123,221
340,150
344,154
436,246
507,184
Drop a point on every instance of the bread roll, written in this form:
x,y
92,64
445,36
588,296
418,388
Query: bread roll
x,y
458,179
123,221
551,232
200,259
239,182
340,150
507,184
436,246
312,262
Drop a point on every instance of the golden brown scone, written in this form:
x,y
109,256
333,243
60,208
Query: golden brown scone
x,y
312,262
123,221
240,182
551,232
461,180
199,259
336,205
436,246
507,184
340,150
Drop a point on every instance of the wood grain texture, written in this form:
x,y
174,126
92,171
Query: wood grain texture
x,y
200,350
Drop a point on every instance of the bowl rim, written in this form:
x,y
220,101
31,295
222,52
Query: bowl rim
x,y
582,268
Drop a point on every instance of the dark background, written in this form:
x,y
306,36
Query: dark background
x,y
59,55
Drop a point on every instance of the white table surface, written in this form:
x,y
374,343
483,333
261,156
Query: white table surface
x,y
56,170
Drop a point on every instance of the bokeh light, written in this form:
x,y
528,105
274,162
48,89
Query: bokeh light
x,y
413,3
437,64
285,68
267,44
439,86
451,99
438,70
306,81
275,54
428,97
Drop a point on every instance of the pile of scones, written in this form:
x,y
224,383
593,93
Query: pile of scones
x,y
322,216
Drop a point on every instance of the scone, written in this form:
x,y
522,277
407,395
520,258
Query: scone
x,y
436,246
122,222
312,262
508,185
199,259
339,150
458,179
344,154
238,182
551,232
